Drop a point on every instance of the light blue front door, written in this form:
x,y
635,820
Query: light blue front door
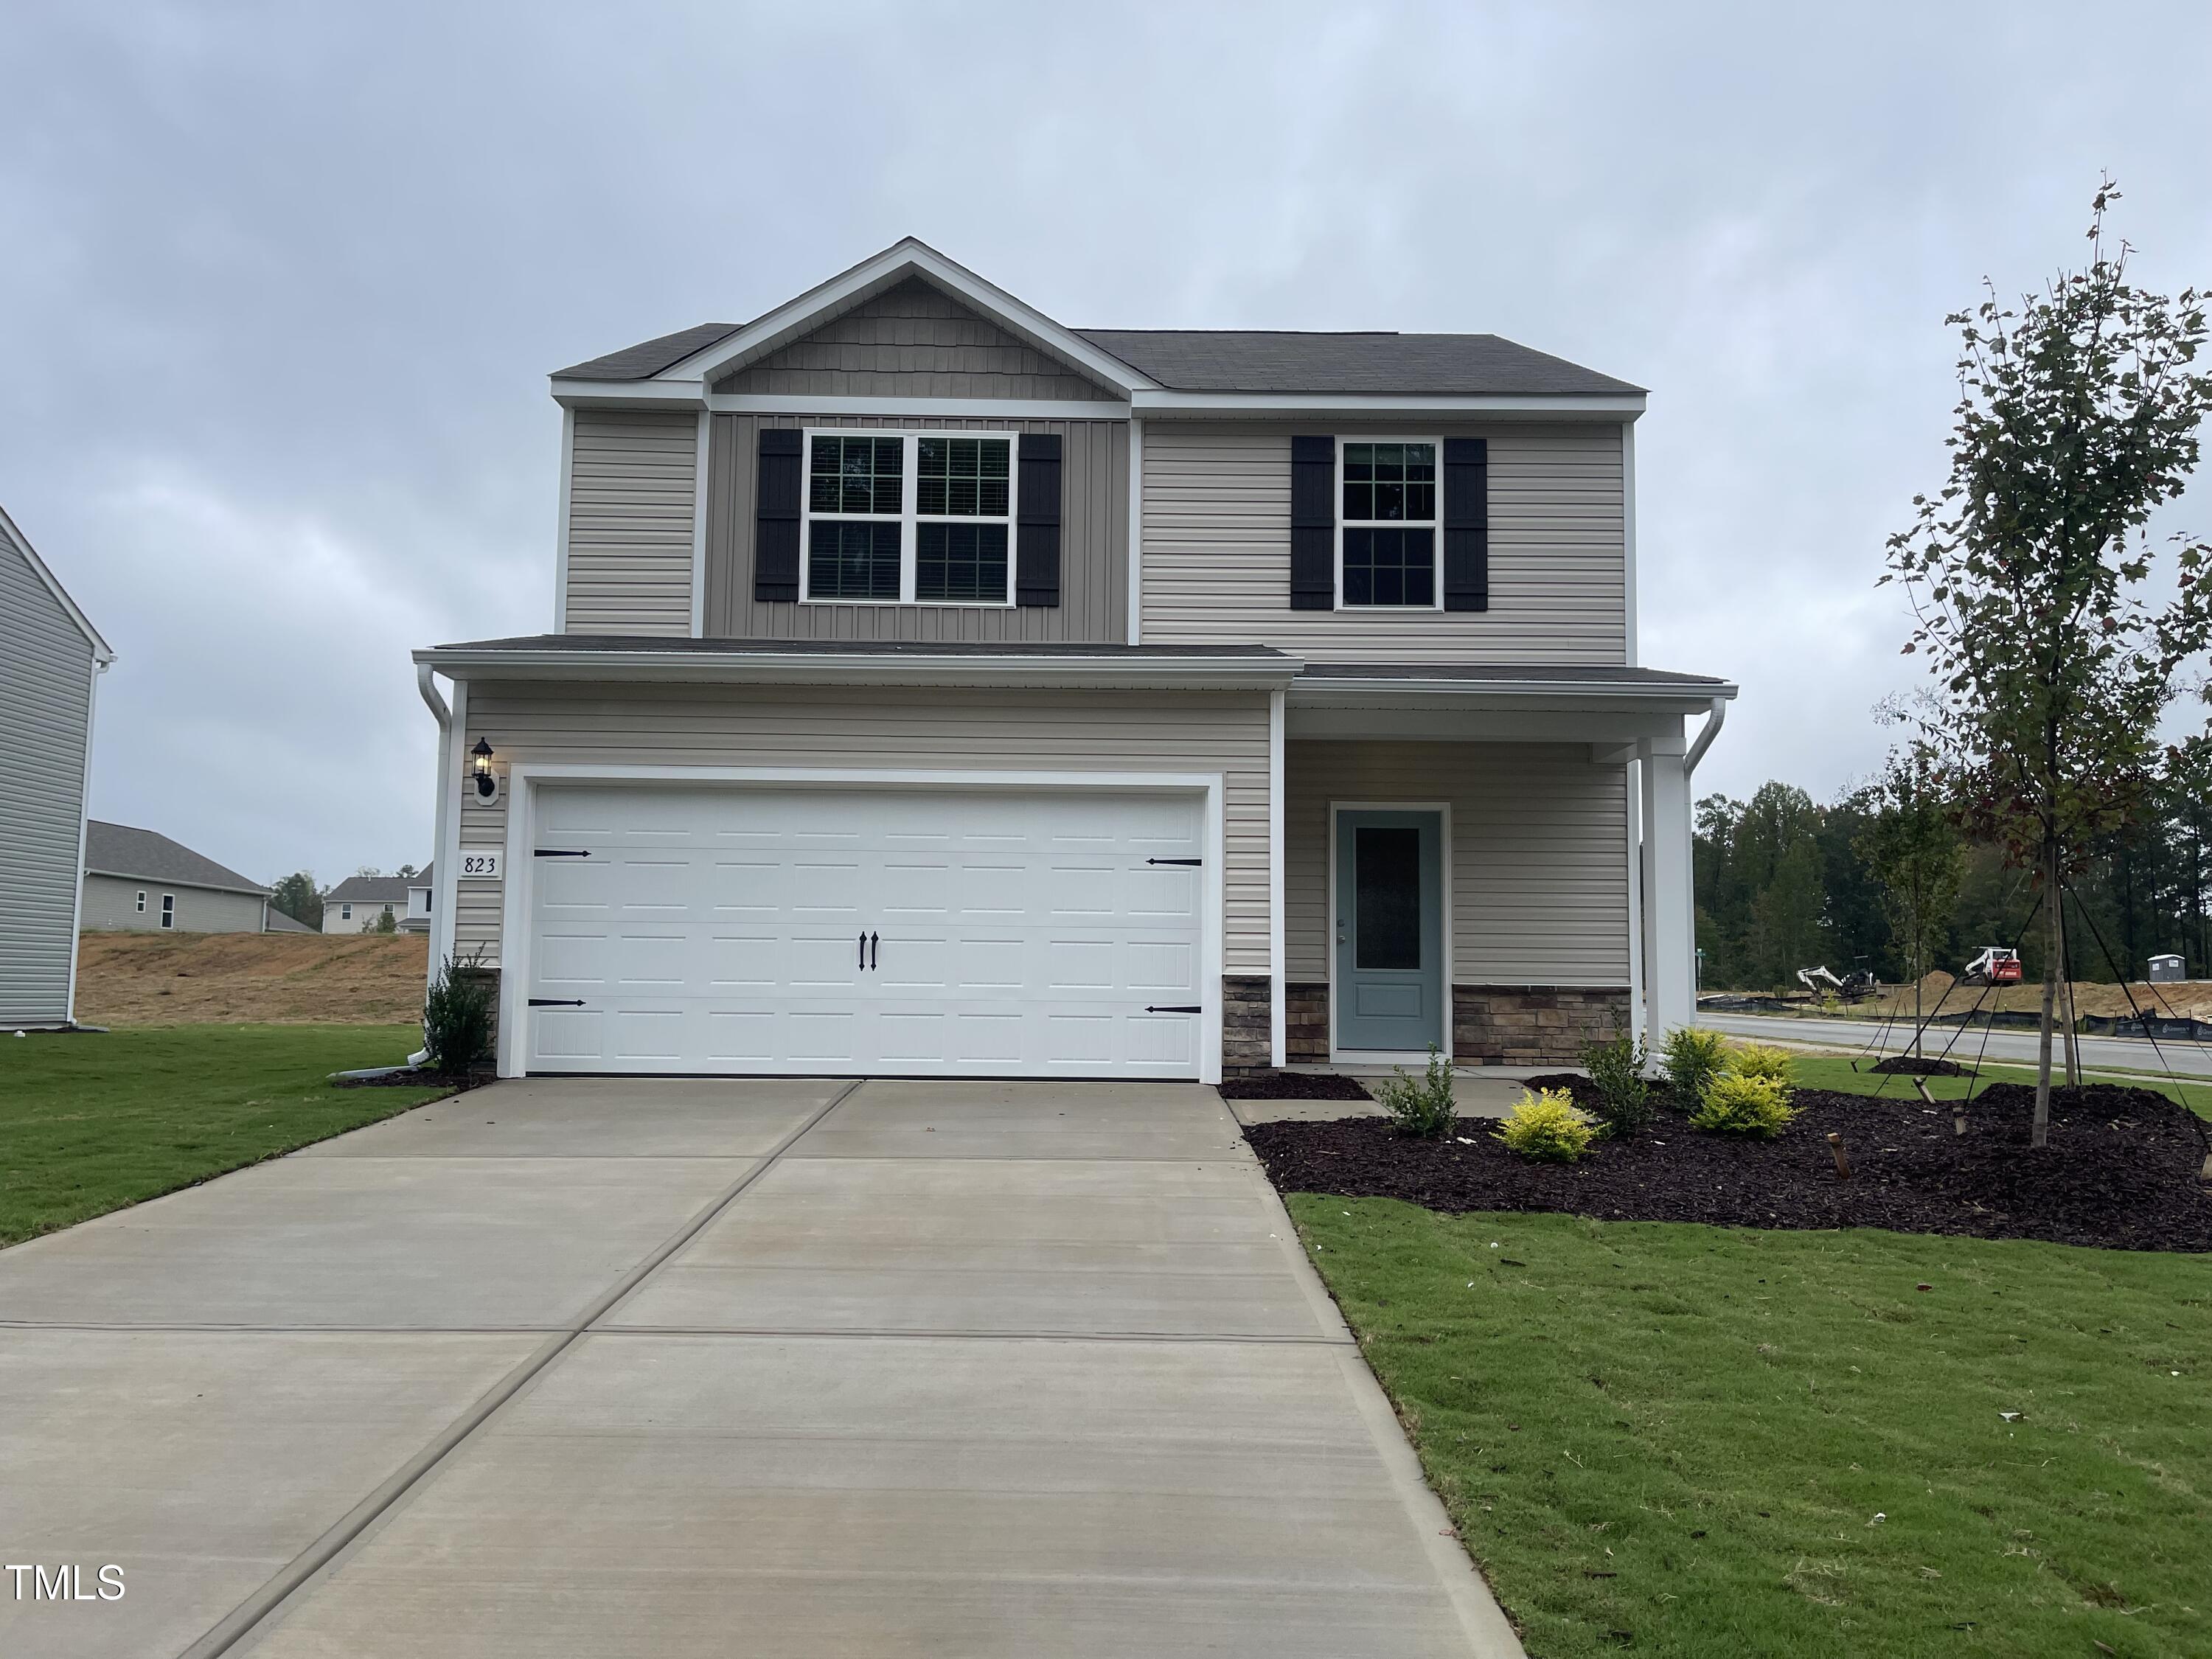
x,y
1391,983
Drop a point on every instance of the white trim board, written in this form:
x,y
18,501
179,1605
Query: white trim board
x,y
524,780
1380,1056
699,470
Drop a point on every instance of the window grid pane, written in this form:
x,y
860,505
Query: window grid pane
x,y
856,475
1390,483
846,560
964,477
961,561
1390,566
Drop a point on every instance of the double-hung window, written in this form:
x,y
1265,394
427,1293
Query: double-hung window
x,y
141,901
1386,523
914,518
168,910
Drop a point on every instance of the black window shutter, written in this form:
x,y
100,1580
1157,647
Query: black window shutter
x,y
1313,524
1466,524
1036,530
775,517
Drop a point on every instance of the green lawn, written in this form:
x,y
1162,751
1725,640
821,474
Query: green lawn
x,y
1829,1072
1704,1442
90,1123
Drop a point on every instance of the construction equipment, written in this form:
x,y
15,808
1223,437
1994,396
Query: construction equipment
x,y
1995,965
1852,988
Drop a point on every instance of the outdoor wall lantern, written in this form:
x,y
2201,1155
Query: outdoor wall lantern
x,y
487,781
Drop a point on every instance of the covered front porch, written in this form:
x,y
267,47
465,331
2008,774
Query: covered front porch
x,y
1496,861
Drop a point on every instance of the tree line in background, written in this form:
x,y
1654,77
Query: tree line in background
x,y
1784,882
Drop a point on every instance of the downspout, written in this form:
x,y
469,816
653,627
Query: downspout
x,y
443,714
1705,739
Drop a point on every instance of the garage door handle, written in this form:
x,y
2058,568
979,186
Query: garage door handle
x,y
560,853
1175,860
556,1002
1174,1008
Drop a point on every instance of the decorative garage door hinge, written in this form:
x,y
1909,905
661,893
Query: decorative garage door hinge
x,y
561,853
556,1002
1174,1008
1175,860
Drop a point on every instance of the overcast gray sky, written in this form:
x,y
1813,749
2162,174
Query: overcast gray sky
x,y
279,286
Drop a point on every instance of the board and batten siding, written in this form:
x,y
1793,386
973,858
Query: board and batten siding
x,y
631,474
45,704
1217,549
839,726
1094,546
913,341
1539,853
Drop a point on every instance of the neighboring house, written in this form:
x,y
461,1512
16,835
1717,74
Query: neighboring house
x,y
51,661
281,923
138,881
356,904
937,689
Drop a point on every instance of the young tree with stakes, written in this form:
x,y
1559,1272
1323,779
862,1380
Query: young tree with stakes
x,y
2077,418
1913,849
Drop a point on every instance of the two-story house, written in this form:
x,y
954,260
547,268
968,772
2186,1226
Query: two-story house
x,y
940,690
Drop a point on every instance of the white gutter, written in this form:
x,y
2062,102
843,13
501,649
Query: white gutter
x,y
1705,739
831,668
444,715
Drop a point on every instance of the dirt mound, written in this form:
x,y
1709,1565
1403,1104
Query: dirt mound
x,y
2184,1000
273,979
2121,1170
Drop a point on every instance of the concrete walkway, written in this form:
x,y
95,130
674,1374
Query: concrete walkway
x,y
784,1368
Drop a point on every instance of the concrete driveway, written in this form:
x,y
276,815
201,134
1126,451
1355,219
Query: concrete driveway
x,y
693,1368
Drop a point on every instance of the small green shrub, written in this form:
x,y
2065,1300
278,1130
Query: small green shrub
x,y
1616,1071
1689,1060
1425,1107
1734,1104
458,1016
1547,1124
1758,1060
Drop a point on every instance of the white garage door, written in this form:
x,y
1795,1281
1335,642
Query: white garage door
x,y
861,931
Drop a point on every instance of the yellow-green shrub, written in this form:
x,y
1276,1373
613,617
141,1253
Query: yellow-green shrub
x,y
1547,1124
1758,1060
1736,1105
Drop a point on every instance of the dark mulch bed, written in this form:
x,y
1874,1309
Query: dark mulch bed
x,y
1291,1086
2121,1171
1918,1066
408,1077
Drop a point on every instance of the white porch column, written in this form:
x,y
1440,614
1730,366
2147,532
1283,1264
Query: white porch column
x,y
1670,939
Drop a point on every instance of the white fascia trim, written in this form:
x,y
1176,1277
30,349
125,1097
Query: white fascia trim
x,y
1164,402
1278,994
872,276
525,777
762,668
618,394
1628,534
445,836
1005,409
101,649
561,530
1136,622
699,526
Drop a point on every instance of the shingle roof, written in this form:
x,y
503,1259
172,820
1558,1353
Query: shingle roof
x,y
649,357
117,850
375,890
278,922
1442,365
1531,674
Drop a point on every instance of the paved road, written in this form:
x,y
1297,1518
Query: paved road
x,y
592,1366
2130,1054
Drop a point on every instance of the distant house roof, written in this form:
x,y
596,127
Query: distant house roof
x,y
278,922
375,890
117,850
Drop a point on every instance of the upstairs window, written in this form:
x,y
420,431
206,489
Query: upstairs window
x,y
909,518
1388,522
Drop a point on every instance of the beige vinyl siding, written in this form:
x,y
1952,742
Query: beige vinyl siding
x,y
1539,853
46,690
1094,543
1217,549
913,341
111,905
1224,733
631,521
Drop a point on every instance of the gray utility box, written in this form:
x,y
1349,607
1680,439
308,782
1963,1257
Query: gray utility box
x,y
2164,971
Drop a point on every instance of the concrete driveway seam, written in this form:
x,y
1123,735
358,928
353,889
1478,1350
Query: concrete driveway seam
x,y
241,1620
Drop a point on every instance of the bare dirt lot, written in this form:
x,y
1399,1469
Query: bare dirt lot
x,y
260,978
